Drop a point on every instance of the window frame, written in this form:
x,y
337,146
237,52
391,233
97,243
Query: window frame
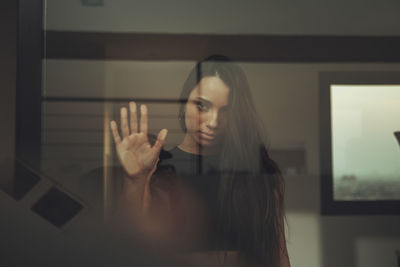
x,y
330,206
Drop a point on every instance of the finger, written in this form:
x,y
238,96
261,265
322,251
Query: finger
x,y
143,119
133,117
162,136
124,122
114,130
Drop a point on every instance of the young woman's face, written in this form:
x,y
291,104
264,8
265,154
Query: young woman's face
x,y
206,111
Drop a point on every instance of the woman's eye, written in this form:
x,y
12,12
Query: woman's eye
x,y
201,106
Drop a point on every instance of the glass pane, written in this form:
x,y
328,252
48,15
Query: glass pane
x,y
366,153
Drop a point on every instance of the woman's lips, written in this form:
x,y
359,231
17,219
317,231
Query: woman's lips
x,y
207,136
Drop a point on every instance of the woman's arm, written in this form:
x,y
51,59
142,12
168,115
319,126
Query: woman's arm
x,y
135,199
139,161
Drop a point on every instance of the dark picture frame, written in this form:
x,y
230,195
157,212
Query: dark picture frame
x,y
330,206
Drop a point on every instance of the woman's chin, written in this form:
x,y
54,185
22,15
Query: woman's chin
x,y
206,143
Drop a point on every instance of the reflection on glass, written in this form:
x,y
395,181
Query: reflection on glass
x,y
366,155
217,190
214,170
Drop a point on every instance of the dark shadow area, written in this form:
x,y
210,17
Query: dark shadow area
x,y
19,181
57,207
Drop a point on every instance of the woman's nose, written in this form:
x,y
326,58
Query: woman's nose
x,y
213,120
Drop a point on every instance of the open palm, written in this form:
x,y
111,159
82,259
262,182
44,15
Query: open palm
x,y
135,153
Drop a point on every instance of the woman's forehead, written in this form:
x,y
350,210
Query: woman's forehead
x,y
212,89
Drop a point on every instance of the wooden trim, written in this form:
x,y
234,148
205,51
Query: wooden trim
x,y
252,48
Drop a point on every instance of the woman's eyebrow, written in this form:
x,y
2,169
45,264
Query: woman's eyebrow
x,y
207,102
204,100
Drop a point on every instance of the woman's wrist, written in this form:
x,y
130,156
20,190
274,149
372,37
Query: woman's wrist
x,y
132,186
140,176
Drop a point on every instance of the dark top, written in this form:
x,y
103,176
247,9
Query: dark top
x,y
200,173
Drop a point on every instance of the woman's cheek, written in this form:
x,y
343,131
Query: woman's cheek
x,y
192,120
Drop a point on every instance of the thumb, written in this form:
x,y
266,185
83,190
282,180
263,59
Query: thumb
x,y
162,135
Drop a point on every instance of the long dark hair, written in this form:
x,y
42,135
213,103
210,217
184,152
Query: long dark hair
x,y
251,186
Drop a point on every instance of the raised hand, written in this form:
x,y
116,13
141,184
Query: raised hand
x,y
135,153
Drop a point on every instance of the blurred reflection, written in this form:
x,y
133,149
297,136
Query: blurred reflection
x,y
217,193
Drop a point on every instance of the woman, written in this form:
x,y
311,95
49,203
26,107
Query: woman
x,y
222,162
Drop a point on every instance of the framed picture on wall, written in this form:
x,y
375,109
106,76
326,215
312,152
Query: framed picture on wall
x,y
360,142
